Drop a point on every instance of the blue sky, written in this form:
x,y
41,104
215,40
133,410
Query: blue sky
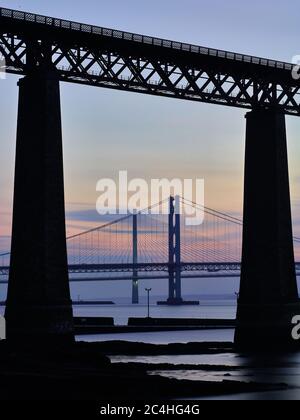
x,y
107,131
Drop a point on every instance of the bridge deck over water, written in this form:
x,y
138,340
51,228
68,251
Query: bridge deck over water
x,y
110,58
138,38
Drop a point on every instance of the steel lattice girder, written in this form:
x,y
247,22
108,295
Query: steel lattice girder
x,y
150,69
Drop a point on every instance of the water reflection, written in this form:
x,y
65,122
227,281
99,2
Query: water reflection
x,y
273,368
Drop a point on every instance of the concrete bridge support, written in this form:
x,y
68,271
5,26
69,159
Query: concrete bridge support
x,y
268,297
38,303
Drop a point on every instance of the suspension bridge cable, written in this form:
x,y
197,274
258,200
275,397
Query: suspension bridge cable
x,y
5,255
212,210
100,227
223,216
217,214
115,221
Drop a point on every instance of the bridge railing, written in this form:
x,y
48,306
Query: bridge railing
x,y
128,36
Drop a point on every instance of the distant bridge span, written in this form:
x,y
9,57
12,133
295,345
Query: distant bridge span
x,y
212,268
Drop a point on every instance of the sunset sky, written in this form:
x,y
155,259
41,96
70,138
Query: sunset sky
x,y
105,131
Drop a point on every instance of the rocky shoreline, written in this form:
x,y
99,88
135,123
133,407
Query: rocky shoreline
x,y
84,372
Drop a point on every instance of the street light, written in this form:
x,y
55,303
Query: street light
x,y
148,292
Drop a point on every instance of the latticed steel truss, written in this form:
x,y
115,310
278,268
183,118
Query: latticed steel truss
x,y
113,59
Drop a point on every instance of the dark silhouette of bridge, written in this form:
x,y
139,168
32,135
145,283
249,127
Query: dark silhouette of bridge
x,y
109,58
46,51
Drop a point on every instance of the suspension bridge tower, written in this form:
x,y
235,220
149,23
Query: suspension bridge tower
x,y
175,296
135,280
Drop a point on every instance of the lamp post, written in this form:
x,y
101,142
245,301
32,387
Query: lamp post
x,y
148,294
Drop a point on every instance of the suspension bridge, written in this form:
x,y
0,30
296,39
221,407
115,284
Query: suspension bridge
x,y
143,246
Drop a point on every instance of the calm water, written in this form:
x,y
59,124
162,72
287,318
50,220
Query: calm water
x,y
269,369
223,307
165,337
209,308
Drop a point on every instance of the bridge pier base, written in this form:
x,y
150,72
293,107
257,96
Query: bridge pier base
x,y
38,307
268,297
135,291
